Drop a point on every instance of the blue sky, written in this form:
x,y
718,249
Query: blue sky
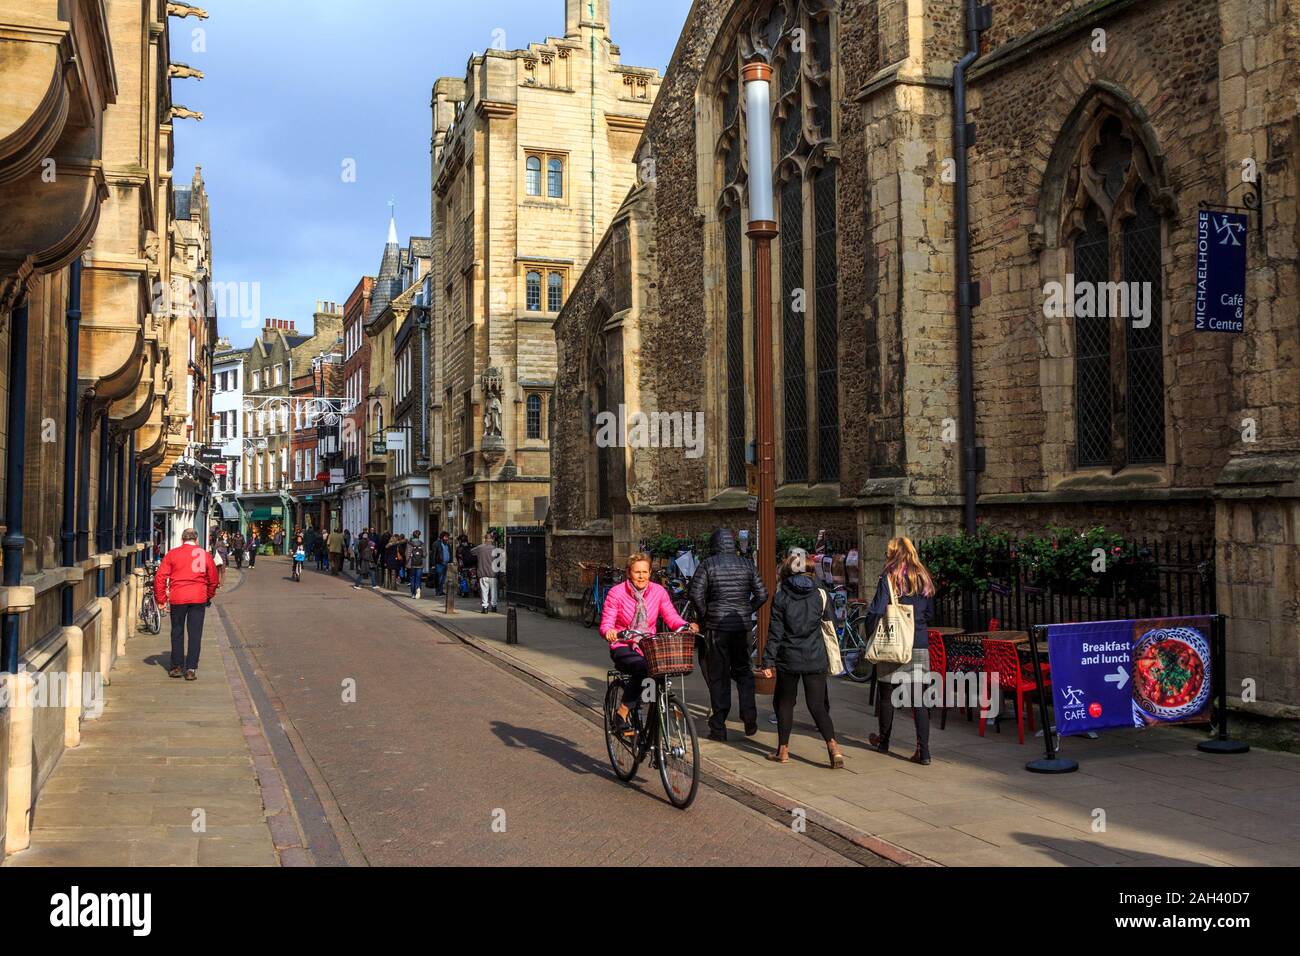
x,y
294,89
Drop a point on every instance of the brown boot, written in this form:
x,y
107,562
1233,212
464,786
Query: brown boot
x,y
920,757
878,743
837,758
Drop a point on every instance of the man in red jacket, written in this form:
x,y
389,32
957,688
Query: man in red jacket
x,y
192,576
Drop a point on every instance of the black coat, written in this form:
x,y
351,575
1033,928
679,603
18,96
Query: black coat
x,y
726,589
794,638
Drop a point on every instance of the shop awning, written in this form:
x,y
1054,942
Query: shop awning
x,y
263,514
229,511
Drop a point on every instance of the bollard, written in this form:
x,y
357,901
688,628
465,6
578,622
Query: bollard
x,y
512,625
450,585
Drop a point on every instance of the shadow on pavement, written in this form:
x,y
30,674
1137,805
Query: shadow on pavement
x,y
560,749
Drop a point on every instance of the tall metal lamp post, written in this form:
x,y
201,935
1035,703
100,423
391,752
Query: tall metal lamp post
x,y
757,77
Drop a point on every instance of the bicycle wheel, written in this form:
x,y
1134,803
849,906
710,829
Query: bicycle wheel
x,y
152,619
622,750
589,608
679,754
852,646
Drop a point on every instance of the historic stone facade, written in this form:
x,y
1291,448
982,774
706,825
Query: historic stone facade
x,y
1102,127
532,154
101,370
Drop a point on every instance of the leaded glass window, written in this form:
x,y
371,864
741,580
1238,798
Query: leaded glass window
x,y
534,415
735,384
533,291
533,176
1114,230
554,292
555,178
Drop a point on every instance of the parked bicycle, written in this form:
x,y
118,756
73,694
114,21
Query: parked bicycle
x,y
150,616
664,729
593,602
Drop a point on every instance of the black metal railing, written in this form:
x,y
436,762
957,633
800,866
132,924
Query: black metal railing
x,y
1156,579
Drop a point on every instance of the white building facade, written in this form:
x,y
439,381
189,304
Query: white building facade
x,y
228,431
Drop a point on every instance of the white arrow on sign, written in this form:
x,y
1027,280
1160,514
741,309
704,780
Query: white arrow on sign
x,y
1119,678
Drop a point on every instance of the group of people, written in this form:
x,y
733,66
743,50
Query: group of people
x,y
227,548
725,592
400,558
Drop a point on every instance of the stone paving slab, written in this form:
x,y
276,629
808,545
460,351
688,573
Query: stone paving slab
x,y
1166,803
162,749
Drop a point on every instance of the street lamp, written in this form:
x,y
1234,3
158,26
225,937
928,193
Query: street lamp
x,y
757,77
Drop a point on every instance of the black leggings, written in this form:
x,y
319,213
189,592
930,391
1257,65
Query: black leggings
x,y
631,663
816,700
884,701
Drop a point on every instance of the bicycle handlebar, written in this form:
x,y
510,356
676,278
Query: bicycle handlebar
x,y
629,634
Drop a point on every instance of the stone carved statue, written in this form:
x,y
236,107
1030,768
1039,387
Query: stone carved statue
x,y
492,418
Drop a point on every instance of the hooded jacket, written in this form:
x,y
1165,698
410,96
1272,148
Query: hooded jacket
x,y
725,589
794,637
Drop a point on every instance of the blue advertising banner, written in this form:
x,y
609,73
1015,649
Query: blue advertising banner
x,y
1220,271
1129,673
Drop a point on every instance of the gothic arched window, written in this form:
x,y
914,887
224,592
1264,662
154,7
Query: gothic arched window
x,y
796,36
1113,230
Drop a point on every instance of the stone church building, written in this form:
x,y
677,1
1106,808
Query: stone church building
x,y
1101,128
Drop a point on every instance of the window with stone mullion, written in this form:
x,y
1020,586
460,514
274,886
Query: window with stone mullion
x,y
1092,374
793,315
826,328
735,349
1145,387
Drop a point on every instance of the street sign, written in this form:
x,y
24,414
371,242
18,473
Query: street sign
x,y
1220,271
751,503
396,440
220,469
336,476
378,448
751,481
209,454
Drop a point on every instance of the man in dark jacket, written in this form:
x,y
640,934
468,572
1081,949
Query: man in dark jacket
x,y
725,592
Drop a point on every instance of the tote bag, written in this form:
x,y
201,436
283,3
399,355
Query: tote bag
x,y
832,642
892,641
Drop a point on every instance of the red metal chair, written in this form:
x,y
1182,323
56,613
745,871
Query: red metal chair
x,y
939,667
1001,659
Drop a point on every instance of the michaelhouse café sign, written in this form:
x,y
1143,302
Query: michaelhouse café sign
x,y
1220,271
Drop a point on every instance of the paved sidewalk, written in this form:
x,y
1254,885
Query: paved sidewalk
x,y
1164,802
163,750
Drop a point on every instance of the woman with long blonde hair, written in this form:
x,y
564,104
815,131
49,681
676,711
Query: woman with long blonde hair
x,y
906,580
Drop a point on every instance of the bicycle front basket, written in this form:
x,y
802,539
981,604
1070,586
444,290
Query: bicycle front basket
x,y
670,654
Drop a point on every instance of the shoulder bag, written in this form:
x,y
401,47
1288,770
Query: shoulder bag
x,y
892,641
831,640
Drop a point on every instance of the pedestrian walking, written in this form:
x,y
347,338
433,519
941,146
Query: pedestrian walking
x,y
365,551
335,545
796,652
415,555
465,561
253,543
441,559
487,579
186,579
237,549
725,591
905,580
221,556
347,547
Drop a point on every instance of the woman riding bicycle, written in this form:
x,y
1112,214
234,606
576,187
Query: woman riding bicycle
x,y
636,604
299,556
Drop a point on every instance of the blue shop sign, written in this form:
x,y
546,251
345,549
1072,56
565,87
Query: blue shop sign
x,y
1220,271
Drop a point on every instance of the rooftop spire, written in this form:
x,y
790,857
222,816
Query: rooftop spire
x,y
392,225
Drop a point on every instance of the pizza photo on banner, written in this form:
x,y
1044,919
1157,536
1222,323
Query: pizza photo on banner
x,y
1130,673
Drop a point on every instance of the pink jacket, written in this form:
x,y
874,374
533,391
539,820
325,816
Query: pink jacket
x,y
620,608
